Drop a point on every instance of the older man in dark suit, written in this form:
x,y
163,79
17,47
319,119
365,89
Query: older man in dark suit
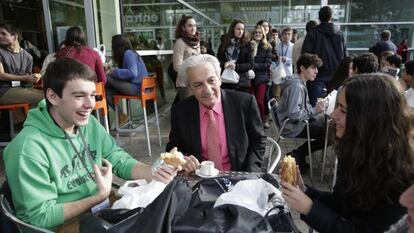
x,y
219,125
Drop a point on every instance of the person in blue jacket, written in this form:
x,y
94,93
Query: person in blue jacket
x,y
127,78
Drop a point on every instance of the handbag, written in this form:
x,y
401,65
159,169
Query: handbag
x,y
230,76
282,221
277,72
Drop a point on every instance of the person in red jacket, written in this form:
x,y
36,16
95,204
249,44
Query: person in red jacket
x,y
75,47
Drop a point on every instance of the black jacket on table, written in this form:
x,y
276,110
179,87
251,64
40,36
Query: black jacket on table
x,y
334,213
262,62
244,130
328,44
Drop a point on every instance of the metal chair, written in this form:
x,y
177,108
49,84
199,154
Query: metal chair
x,y
273,105
101,104
10,108
8,212
148,92
272,155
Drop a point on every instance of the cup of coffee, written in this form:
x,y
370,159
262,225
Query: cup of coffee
x,y
207,168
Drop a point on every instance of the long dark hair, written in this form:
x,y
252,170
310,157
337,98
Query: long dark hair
x,y
120,44
244,40
75,37
376,152
181,23
341,73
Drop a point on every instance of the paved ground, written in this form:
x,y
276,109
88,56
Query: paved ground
x,y
138,148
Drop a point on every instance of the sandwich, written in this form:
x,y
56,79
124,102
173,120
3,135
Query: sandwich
x,y
289,173
173,158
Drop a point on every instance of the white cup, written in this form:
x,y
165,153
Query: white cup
x,y
207,168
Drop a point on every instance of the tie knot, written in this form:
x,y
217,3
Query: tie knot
x,y
210,112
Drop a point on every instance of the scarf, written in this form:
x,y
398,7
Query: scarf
x,y
233,50
191,40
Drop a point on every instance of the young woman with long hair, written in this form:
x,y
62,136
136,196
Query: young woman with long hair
x,y
187,44
126,79
235,53
375,132
75,47
262,53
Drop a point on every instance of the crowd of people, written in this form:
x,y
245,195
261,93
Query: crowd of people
x,y
61,163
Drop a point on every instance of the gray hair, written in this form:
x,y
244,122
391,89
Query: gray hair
x,y
198,60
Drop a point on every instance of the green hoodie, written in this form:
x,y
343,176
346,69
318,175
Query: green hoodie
x,y
44,171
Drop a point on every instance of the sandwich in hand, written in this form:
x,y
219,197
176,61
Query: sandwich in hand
x,y
289,173
173,158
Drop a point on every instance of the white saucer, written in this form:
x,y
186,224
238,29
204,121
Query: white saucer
x,y
200,174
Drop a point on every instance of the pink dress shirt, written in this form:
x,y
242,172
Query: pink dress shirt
x,y
218,113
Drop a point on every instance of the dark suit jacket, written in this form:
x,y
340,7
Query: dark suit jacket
x,y
244,130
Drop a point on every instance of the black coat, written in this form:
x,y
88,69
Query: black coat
x,y
333,212
262,62
244,61
244,129
329,45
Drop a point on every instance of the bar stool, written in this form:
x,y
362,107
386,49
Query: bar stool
x,y
101,104
10,108
148,92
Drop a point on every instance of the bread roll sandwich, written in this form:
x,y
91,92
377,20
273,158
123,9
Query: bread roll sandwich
x,y
289,173
173,158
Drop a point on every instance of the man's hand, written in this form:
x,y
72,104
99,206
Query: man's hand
x,y
296,199
192,163
103,177
230,64
166,173
31,78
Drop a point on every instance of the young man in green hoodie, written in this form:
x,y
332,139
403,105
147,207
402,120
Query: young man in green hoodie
x,y
54,166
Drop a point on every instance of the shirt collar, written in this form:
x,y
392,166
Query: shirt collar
x,y
218,109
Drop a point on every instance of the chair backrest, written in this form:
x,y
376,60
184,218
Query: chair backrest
x,y
272,155
148,89
8,212
272,106
101,98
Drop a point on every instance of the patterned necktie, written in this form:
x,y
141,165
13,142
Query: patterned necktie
x,y
213,142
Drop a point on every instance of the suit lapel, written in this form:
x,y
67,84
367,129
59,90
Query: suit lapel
x,y
229,121
194,124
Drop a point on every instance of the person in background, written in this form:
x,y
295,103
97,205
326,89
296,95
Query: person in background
x,y
294,36
60,165
285,50
187,44
235,53
385,44
126,79
375,161
402,50
205,48
365,63
406,223
275,36
15,72
262,60
75,47
297,47
343,72
392,65
215,124
294,104
328,43
408,81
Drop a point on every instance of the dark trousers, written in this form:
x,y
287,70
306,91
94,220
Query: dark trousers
x,y
317,132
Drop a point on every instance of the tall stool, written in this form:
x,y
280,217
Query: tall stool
x,y
148,92
101,104
12,107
